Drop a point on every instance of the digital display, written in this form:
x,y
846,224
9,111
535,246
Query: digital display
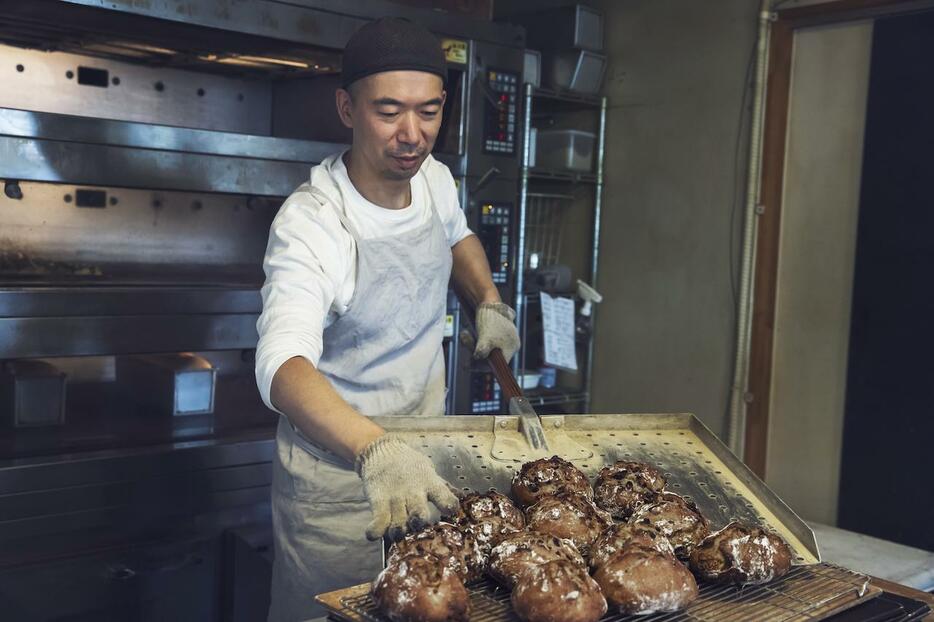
x,y
499,135
494,235
485,393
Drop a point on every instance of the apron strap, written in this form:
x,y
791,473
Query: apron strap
x,y
341,215
432,204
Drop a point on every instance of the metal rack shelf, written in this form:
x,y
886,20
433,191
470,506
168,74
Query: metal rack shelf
x,y
552,101
570,97
533,294
565,176
554,397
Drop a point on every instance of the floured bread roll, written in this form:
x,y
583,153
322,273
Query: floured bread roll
x,y
519,552
547,477
623,487
743,554
490,517
420,589
677,519
453,547
641,580
558,591
571,516
623,535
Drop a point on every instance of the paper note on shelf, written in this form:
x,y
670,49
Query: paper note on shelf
x,y
558,325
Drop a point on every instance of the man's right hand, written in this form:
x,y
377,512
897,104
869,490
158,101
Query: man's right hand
x,y
399,482
496,328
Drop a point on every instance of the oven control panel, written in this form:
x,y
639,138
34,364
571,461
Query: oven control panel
x,y
494,234
499,123
485,393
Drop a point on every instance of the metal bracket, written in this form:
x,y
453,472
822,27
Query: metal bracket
x,y
12,190
512,445
529,423
486,178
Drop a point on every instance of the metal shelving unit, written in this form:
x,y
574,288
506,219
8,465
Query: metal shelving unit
x,y
533,217
553,397
577,178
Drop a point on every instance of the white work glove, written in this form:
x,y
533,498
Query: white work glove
x,y
496,328
399,482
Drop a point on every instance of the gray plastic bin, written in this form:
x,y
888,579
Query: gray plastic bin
x,y
565,150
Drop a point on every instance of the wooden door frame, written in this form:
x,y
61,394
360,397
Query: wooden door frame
x,y
774,137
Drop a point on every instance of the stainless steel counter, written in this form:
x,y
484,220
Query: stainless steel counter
x,y
880,558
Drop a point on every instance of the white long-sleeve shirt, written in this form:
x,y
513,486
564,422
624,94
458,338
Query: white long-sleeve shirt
x,y
310,261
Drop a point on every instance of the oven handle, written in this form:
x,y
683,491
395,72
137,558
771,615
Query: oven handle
x,y
123,572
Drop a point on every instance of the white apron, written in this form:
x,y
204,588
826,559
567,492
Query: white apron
x,y
383,356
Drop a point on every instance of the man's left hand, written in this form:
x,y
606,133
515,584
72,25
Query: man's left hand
x,y
496,328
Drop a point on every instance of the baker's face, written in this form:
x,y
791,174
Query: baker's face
x,y
395,116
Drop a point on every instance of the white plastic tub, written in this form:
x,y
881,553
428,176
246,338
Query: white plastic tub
x,y
565,150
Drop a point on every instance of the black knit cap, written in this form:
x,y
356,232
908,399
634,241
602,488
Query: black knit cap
x,y
391,44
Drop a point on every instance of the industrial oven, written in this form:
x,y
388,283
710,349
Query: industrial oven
x,y
145,148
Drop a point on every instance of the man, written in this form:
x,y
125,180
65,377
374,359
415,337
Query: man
x,y
357,270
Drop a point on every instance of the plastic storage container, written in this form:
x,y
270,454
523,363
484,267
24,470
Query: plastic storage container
x,y
575,70
565,150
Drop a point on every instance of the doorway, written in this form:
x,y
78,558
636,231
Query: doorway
x,y
885,475
840,385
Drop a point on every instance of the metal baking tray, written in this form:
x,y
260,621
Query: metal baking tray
x,y
477,452
481,452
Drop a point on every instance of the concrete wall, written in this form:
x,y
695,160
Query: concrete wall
x,y
676,79
665,333
830,78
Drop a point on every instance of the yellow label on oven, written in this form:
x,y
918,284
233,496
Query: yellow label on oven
x,y
455,50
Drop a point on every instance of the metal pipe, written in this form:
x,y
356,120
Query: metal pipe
x,y
523,204
736,416
451,370
595,258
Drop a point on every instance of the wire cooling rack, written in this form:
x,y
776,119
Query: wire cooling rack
x,y
811,592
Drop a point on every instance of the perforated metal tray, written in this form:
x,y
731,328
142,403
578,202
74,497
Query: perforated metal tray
x,y
478,452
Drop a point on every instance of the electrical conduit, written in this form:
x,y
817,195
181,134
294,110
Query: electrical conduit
x,y
736,417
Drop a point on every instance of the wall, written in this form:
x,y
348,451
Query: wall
x,y
823,166
672,203
675,187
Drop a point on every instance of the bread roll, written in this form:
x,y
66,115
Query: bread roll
x,y
547,477
420,589
623,487
558,591
571,516
453,547
677,519
642,580
519,552
742,554
490,517
622,535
